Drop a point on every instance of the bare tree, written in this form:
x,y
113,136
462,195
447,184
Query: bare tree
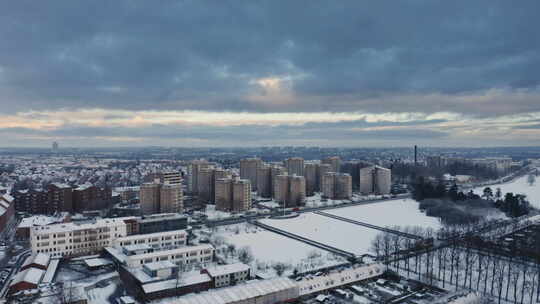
x,y
244,255
279,268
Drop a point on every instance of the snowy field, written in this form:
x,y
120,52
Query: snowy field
x,y
268,247
398,212
339,234
518,186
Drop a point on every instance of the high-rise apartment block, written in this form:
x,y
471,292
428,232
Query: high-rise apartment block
x,y
193,174
311,173
322,170
375,180
163,195
337,185
207,182
275,171
248,170
333,161
170,198
233,194
149,197
290,190
353,168
264,181
295,166
241,199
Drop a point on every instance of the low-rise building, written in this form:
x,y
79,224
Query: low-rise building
x,y
77,238
166,239
227,275
136,257
38,260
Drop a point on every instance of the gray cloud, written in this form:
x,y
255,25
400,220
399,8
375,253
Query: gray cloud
x,y
353,55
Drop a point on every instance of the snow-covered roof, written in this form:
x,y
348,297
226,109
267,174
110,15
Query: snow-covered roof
x,y
30,275
188,279
83,187
339,278
127,300
234,294
68,227
150,235
41,259
38,220
8,198
180,250
159,265
227,269
51,270
61,185
137,247
97,262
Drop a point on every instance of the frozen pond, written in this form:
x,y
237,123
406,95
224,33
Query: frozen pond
x,y
335,233
518,186
398,212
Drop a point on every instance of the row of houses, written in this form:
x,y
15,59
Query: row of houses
x,y
63,198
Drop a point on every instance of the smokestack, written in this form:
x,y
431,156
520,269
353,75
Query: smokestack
x,y
415,155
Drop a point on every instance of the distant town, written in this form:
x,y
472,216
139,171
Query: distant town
x,y
269,225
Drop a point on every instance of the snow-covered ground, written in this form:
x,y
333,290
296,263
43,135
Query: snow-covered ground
x,y
269,248
518,186
398,212
336,233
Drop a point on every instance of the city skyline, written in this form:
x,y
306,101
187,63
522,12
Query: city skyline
x,y
204,74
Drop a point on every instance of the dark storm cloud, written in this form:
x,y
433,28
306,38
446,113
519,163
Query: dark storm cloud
x,y
340,56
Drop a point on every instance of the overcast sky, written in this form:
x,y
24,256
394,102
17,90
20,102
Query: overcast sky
x,y
233,73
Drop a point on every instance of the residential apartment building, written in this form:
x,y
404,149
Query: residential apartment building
x,y
171,199
150,197
60,196
337,186
207,182
334,162
290,190
89,197
275,171
375,180
193,174
264,181
233,194
248,170
295,166
160,197
353,169
311,173
63,198
323,169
